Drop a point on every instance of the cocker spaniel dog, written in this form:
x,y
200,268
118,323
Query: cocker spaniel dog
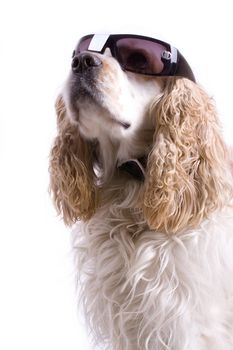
x,y
139,165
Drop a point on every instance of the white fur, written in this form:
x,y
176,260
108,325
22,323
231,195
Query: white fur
x,y
147,290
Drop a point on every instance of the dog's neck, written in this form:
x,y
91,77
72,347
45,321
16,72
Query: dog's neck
x,y
110,164
128,154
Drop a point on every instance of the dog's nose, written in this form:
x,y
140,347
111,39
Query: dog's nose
x,y
85,61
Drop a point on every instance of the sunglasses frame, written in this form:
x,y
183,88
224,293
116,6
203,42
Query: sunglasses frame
x,y
174,62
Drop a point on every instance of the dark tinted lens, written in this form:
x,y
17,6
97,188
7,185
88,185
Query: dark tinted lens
x,y
140,55
83,44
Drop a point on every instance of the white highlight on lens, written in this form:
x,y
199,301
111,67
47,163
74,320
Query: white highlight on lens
x,y
98,41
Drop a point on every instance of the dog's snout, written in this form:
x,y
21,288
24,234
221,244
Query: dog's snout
x,y
85,61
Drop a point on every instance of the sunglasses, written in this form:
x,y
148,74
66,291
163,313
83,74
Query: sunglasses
x,y
138,54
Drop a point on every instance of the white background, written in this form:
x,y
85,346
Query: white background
x,y
38,308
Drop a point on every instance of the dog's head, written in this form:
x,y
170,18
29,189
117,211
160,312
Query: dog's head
x,y
110,106
106,101
113,108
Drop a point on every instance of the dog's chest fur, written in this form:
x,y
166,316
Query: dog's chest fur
x,y
143,288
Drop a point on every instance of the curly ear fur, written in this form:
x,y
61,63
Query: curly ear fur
x,y
187,176
71,171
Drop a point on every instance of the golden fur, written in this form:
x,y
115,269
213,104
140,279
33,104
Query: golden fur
x,y
71,169
186,177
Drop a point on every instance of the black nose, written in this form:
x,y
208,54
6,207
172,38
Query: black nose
x,y
85,61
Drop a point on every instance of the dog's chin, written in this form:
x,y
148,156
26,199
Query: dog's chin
x,y
88,98
81,96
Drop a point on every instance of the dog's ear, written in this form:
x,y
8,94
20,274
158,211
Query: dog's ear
x,y
71,171
188,168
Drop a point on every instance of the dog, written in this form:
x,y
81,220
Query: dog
x,y
140,170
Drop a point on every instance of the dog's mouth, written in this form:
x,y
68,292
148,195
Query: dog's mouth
x,y
125,125
83,90
83,87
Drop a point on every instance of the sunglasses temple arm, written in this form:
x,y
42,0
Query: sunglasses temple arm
x,y
183,69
